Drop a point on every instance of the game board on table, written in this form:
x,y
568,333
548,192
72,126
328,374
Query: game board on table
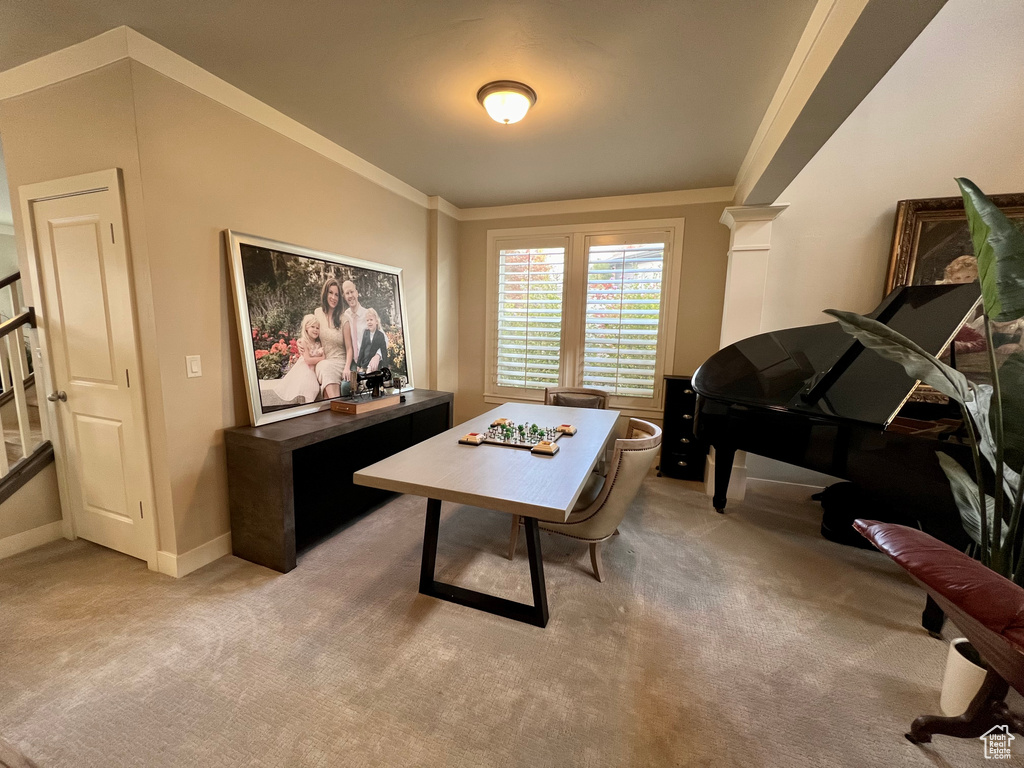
x,y
506,432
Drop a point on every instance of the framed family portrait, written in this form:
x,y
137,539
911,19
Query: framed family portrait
x,y
311,323
931,245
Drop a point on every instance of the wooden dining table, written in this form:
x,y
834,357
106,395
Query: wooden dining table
x,y
499,477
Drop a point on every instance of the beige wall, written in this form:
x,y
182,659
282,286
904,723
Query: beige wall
x,y
82,125
444,302
953,105
705,246
8,255
33,505
205,168
8,264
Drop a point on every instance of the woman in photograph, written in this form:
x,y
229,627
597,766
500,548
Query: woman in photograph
x,y
373,347
336,338
301,381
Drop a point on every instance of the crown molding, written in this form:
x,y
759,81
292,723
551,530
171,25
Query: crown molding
x,y
597,204
742,213
124,42
68,62
435,203
826,30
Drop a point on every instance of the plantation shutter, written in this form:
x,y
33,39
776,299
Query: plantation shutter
x,y
623,307
529,342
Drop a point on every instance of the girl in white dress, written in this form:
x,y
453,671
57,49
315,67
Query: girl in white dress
x,y
301,381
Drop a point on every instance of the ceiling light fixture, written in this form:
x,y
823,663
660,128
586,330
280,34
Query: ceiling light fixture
x,y
506,101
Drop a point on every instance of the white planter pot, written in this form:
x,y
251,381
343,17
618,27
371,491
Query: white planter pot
x,y
962,680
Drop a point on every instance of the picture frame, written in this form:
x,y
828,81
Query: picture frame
x,y
929,235
938,225
308,320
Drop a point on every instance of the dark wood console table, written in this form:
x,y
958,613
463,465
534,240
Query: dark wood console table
x,y
291,482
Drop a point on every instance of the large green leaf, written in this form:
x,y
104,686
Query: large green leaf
x,y
1011,378
981,412
999,247
965,493
917,362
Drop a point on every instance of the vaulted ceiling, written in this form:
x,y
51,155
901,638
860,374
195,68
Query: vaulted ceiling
x,y
633,96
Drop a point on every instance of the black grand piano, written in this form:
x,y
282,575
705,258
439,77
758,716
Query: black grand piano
x,y
815,398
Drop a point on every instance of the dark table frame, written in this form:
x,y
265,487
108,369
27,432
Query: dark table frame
x,y
536,614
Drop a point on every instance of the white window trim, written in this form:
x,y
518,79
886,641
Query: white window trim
x,y
574,236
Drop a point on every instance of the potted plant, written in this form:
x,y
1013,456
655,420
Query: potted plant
x,y
993,414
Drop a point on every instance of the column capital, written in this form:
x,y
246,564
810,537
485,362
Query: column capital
x,y
735,214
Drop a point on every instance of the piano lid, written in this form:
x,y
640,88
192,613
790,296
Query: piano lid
x,y
819,370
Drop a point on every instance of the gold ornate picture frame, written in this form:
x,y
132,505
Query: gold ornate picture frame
x,y
930,233
928,236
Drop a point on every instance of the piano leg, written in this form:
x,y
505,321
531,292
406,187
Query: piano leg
x,y
933,618
724,457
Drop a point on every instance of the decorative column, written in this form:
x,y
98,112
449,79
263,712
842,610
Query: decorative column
x,y
749,249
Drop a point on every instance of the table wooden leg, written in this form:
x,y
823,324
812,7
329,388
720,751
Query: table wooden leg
x,y
540,593
430,544
536,614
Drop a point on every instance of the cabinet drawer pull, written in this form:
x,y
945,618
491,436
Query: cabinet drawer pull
x,y
687,416
687,391
684,440
681,463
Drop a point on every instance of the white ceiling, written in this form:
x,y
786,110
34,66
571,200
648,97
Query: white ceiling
x,y
633,96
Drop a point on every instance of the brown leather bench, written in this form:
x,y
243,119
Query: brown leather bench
x,y
986,607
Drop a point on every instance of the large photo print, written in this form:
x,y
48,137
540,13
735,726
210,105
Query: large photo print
x,y
313,324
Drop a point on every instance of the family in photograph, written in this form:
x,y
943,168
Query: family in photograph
x,y
338,340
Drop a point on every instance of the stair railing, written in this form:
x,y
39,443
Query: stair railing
x,y
15,365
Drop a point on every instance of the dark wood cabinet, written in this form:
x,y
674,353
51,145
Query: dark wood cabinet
x,y
290,483
682,455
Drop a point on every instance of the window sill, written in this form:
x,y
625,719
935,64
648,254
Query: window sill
x,y
634,411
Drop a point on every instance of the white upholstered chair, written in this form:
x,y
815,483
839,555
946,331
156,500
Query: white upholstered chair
x,y
604,500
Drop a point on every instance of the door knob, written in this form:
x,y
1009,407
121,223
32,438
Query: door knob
x,y
60,394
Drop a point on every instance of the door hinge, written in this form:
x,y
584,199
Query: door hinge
x,y
112,233
127,378
140,511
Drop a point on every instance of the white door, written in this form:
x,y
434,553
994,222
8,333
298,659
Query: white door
x,y
89,323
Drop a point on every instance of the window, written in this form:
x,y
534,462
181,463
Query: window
x,y
585,306
529,316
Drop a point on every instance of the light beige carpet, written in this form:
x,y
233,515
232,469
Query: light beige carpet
x,y
737,640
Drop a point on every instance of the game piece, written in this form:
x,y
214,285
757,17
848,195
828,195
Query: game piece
x,y
545,448
502,431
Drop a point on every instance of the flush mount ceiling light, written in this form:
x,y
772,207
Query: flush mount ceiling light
x,y
506,101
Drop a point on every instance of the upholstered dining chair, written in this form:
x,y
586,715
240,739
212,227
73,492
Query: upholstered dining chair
x,y
576,397
579,397
604,500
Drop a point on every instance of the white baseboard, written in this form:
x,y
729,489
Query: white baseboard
x,y
30,539
786,485
183,564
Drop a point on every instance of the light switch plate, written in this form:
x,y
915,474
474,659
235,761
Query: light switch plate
x,y
193,366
